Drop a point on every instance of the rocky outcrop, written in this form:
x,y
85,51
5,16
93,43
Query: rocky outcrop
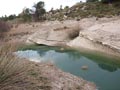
x,y
99,35
106,34
103,37
56,34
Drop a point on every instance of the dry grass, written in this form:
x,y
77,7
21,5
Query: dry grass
x,y
19,74
4,27
10,66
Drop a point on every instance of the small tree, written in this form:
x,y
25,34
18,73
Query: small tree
x,y
110,1
66,7
26,15
11,17
4,18
40,11
61,7
92,0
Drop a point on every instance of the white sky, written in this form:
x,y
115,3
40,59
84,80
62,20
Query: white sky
x,y
8,7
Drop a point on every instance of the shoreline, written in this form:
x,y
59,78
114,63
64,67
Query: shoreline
x,y
95,35
94,47
46,76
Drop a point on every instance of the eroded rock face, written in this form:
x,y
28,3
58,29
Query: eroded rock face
x,y
106,33
103,37
99,35
56,34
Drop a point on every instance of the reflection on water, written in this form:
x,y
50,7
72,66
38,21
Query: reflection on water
x,y
107,67
103,71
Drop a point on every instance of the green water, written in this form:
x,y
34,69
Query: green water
x,y
103,71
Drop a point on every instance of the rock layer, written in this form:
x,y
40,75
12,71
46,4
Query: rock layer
x,y
56,34
100,35
104,37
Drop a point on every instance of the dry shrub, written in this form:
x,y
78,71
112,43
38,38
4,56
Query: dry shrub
x,y
11,67
19,74
4,27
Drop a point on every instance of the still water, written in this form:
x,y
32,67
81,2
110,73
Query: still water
x,y
103,71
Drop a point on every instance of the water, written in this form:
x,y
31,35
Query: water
x,y
103,71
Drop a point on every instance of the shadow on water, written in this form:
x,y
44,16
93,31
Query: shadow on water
x,y
110,64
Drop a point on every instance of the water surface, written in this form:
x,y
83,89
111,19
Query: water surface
x,y
103,71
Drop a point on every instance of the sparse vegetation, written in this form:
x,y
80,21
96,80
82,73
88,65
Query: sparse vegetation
x,y
10,66
26,15
4,27
85,10
40,11
96,9
19,74
92,8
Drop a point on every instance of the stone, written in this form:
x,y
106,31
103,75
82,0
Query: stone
x,y
62,49
84,67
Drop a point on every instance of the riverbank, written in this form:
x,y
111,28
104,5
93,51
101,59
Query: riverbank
x,y
89,33
24,74
78,63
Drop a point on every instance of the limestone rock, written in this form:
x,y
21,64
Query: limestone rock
x,y
55,34
103,37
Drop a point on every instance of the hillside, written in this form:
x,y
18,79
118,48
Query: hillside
x,y
84,10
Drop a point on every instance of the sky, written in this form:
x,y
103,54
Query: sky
x,y
8,7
